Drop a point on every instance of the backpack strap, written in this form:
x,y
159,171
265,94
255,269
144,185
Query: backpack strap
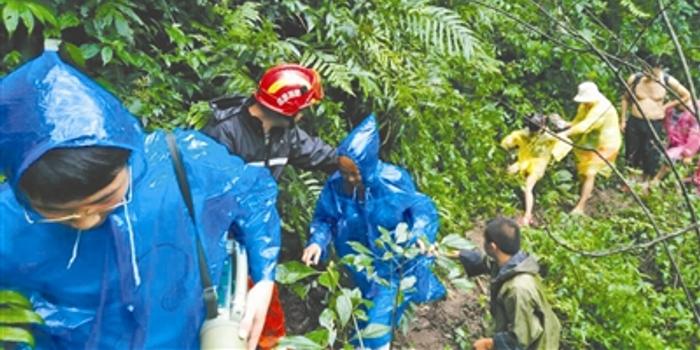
x,y
638,76
635,82
209,292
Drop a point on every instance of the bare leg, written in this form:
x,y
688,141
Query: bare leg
x,y
665,169
586,191
529,200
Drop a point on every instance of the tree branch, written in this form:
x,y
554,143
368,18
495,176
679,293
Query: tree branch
x,y
679,49
613,251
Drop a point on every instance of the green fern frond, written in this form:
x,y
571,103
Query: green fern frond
x,y
312,184
334,74
633,9
440,28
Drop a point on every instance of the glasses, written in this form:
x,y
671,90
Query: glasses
x,y
41,220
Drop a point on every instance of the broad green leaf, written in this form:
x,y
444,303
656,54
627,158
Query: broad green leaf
x,y
456,241
130,13
89,50
453,268
106,54
27,19
374,330
319,336
359,248
10,297
43,13
123,27
408,282
329,279
75,54
343,307
327,319
293,271
68,20
462,284
301,290
402,233
12,59
16,335
299,342
10,15
176,35
17,316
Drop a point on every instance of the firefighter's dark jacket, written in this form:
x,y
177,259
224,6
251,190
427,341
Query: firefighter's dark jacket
x,y
243,135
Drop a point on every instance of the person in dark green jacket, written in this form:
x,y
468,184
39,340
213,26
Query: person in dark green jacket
x,y
522,315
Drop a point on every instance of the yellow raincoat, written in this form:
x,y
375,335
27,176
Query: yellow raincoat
x,y
535,150
596,126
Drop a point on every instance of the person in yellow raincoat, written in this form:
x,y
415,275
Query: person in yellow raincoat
x,y
595,127
536,148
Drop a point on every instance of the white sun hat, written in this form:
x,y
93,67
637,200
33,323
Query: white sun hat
x,y
588,92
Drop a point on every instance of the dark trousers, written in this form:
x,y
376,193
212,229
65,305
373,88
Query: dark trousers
x,y
640,151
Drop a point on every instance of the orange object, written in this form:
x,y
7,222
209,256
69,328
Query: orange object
x,y
274,328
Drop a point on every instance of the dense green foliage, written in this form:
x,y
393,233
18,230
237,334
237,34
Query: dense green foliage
x,y
15,317
447,80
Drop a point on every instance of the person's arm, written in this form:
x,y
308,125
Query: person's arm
x,y
513,139
623,111
474,262
592,117
258,223
680,90
322,226
424,220
524,327
692,144
258,227
624,103
311,153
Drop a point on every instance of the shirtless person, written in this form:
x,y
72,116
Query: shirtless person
x,y
650,89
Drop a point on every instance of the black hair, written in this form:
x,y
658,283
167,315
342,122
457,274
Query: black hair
x,y
68,174
655,61
536,122
505,233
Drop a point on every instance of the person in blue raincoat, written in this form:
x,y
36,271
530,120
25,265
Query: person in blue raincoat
x,y
362,196
93,225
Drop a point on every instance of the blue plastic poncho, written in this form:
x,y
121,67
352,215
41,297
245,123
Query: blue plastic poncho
x,y
390,198
133,281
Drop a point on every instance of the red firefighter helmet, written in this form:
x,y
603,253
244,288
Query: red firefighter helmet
x,y
289,88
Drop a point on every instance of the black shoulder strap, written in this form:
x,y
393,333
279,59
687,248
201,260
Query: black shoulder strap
x,y
635,82
209,292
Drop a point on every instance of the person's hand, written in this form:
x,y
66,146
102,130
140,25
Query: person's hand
x,y
623,125
257,302
483,344
559,123
452,254
312,254
513,168
672,104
